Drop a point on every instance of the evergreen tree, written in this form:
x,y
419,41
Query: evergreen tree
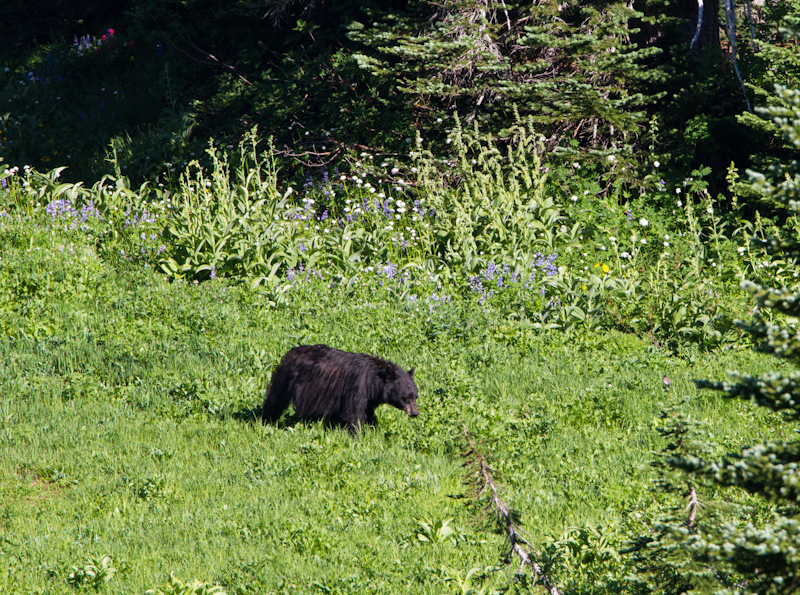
x,y
568,65
745,557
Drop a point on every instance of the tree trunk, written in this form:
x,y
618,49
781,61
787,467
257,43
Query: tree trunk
x,y
685,12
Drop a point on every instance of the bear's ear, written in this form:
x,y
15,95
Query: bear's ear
x,y
411,371
387,372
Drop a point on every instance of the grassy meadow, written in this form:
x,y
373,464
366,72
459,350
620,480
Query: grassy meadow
x,y
140,328
545,213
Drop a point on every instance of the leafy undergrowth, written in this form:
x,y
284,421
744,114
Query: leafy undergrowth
x,y
131,451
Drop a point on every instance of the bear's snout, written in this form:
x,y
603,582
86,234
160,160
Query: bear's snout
x,y
411,409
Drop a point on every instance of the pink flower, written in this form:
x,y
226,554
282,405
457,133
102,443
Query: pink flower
x,y
110,32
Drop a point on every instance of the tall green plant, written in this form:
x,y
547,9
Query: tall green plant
x,y
493,204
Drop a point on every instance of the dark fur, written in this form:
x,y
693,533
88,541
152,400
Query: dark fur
x,y
339,386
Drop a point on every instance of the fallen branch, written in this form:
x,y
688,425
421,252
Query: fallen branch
x,y
504,516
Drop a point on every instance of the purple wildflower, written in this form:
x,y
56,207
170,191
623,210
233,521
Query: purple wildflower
x,y
389,270
546,263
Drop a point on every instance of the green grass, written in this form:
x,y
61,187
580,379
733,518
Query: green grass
x,y
127,429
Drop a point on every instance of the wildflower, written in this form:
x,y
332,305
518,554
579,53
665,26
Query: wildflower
x,y
643,222
677,190
574,198
389,270
656,164
740,249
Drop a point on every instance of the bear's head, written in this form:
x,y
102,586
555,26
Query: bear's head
x,y
400,390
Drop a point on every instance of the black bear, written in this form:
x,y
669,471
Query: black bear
x,y
341,387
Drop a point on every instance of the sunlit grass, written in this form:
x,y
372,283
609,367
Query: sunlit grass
x,y
140,328
127,426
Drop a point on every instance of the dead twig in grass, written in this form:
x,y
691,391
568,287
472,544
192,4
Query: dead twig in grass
x,y
505,517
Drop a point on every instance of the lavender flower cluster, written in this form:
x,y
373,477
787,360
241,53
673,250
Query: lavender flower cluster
x,y
323,186
546,263
494,277
63,209
299,275
135,219
386,273
435,300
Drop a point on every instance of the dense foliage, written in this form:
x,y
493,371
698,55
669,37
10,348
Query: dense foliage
x,y
145,84
538,205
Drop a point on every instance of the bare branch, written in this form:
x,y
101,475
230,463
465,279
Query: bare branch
x,y
505,516
505,10
730,31
749,8
694,502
